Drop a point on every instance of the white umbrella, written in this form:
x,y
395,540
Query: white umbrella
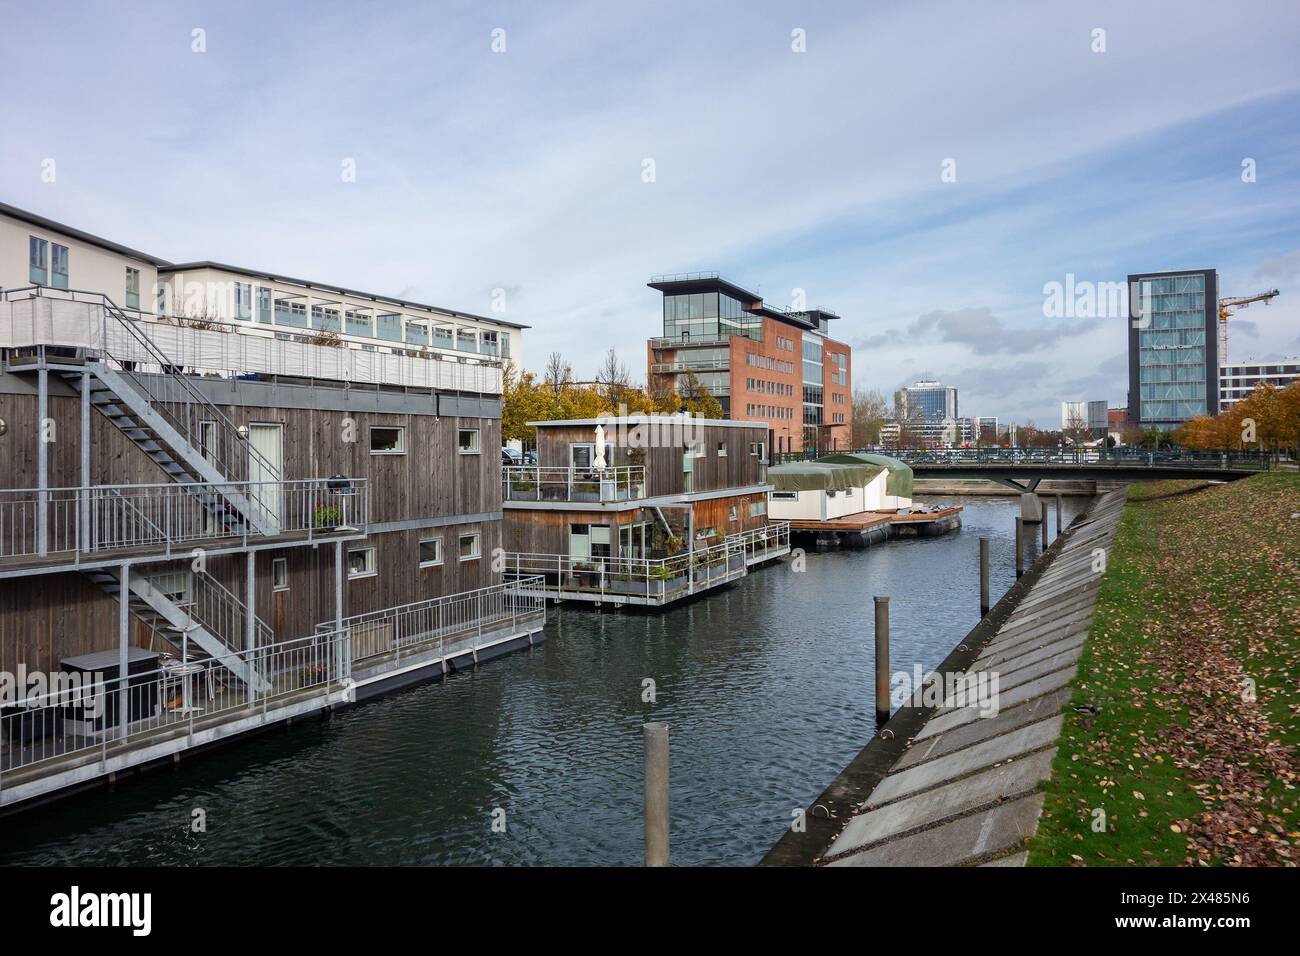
x,y
598,463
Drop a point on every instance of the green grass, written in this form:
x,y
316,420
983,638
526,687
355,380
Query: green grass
x,y
1201,593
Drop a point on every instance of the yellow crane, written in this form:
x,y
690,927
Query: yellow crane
x,y
1227,307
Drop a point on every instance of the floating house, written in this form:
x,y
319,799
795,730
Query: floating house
x,y
230,499
852,499
642,509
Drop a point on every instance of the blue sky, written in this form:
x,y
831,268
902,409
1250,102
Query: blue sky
x,y
819,170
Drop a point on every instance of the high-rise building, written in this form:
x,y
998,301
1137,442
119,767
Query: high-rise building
x,y
927,401
1173,356
762,363
1239,379
1089,415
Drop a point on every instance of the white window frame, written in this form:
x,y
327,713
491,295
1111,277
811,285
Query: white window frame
x,y
478,445
478,545
279,574
401,441
441,555
373,564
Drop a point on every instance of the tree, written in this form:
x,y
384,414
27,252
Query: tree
x,y
870,412
559,373
1076,431
698,400
613,378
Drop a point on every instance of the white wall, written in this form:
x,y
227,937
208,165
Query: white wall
x,y
90,268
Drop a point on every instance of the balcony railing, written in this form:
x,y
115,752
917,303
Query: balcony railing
x,y
89,523
712,365
763,543
449,625
543,483
650,580
36,319
80,721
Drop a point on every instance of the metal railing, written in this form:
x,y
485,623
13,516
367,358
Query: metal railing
x,y
450,624
79,718
86,522
1126,456
656,580
546,483
224,615
768,541
237,350
703,366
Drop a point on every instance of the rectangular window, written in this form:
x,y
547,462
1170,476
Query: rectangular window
x,y
38,261
722,449
388,325
59,266
291,313
132,288
361,562
359,323
264,305
731,513
784,495
279,574
417,333
387,441
324,320
757,508
581,455
468,440
243,301
469,547
442,336
487,343
430,552
466,340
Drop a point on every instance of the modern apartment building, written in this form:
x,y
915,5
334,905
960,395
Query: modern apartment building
x,y
1173,357
926,401
1239,379
640,509
224,523
762,363
1089,415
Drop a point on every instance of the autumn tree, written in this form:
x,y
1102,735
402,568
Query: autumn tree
x,y
870,412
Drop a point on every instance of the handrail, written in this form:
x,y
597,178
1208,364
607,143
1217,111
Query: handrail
x,y
561,483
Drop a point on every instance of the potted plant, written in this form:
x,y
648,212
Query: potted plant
x,y
327,517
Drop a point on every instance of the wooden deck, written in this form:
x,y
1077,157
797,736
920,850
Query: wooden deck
x,y
865,520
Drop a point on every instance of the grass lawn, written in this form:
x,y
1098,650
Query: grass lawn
x,y
1180,743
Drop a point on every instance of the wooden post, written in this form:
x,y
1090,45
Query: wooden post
x,y
656,794
1058,516
1043,527
882,660
984,576
1020,546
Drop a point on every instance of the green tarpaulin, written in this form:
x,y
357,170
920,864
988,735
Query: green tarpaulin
x,y
822,476
899,482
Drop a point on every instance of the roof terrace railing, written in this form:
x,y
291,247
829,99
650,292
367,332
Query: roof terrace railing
x,y
545,483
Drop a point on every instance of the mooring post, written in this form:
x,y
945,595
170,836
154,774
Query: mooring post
x,y
984,576
1020,546
1043,525
1058,516
882,660
656,794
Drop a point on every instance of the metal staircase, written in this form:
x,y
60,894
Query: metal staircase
x,y
213,617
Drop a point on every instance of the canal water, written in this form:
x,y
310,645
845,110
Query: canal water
x,y
536,758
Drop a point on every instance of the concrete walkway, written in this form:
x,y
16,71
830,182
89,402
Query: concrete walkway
x,y
963,789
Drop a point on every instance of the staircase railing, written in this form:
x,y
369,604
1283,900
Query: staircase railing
x,y
134,354
224,615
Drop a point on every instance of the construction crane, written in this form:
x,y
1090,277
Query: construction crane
x,y
1227,308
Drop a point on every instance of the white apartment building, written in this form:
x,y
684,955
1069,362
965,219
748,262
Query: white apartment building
x,y
1239,379
35,251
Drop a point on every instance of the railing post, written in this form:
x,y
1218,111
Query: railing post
x,y
123,659
882,659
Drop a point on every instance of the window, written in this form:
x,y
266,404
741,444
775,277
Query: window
x,y
387,441
469,547
442,336
756,449
466,340
59,269
132,288
323,319
243,301
417,333
600,541
757,508
280,574
361,562
581,455
430,552
722,449
731,513
358,323
785,495
38,261
468,439
389,326
264,305
291,313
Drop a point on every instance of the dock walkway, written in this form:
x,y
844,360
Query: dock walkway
x,y
949,787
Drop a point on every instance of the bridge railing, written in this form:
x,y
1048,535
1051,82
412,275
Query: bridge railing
x,y
1127,456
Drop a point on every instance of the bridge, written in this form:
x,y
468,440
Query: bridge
x,y
1021,469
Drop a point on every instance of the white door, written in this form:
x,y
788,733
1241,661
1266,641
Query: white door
x,y
267,465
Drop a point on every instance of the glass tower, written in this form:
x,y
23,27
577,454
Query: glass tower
x,y
1173,353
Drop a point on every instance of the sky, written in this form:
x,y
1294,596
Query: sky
x,y
566,152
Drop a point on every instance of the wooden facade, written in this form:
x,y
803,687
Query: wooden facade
x,y
429,491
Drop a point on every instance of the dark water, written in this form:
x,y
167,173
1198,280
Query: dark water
x,y
766,687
